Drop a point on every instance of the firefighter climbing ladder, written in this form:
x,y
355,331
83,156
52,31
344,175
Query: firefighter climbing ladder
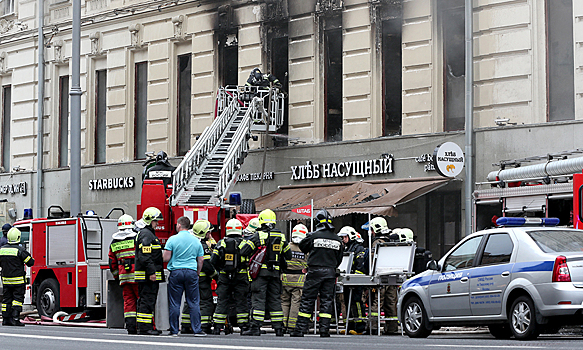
x,y
208,170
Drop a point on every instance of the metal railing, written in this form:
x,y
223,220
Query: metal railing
x,y
245,96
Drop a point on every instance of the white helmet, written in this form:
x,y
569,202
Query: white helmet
x,y
234,227
350,232
405,234
298,233
125,221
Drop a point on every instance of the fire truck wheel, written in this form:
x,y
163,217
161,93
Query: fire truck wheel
x,y
247,206
48,298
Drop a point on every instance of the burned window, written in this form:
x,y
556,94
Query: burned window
x,y
560,61
184,100
228,58
333,78
452,17
392,77
278,51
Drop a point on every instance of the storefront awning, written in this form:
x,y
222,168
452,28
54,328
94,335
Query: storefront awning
x,y
377,197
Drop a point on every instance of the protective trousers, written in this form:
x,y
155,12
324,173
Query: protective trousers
x,y
12,299
290,303
148,293
319,281
232,287
207,306
130,303
266,296
388,296
357,316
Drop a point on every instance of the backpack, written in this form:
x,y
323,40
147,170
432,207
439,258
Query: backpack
x,y
232,256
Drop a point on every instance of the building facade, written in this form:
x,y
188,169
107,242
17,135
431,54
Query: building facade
x,y
365,78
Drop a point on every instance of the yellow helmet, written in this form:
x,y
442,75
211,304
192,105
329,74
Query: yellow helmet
x,y
267,217
234,227
253,225
125,221
201,227
151,214
13,235
379,224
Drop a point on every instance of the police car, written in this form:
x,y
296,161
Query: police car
x,y
519,280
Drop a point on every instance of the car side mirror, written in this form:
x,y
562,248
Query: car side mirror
x,y
432,265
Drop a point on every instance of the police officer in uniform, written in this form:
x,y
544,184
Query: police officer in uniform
x,y
352,244
122,253
13,257
233,283
325,255
162,170
293,279
202,230
388,294
266,288
149,270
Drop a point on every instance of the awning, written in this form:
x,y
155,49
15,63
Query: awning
x,y
377,197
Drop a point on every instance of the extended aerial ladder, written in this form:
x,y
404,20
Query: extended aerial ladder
x,y
208,170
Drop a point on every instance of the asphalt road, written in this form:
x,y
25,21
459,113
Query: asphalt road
x,y
34,337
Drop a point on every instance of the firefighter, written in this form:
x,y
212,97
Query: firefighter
x,y
162,170
388,294
5,228
266,288
250,230
325,255
233,283
256,78
202,230
122,253
13,257
149,271
293,279
422,255
352,244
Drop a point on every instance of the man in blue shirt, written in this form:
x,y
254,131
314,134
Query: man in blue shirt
x,y
184,255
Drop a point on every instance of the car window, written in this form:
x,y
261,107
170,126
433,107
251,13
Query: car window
x,y
558,241
463,256
498,249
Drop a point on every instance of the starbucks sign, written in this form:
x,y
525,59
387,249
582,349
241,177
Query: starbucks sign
x,y
448,159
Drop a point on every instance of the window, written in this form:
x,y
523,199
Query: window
x,y
560,62
454,69
6,119
333,79
63,121
184,100
141,111
100,115
279,68
392,77
7,6
228,58
558,241
498,249
463,256
442,211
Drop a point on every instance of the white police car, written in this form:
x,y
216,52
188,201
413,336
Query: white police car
x,y
519,280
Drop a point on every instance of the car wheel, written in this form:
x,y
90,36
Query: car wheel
x,y
48,298
414,319
500,331
247,206
523,319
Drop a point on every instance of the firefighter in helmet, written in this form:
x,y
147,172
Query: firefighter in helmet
x,y
266,288
162,170
256,78
122,253
251,228
233,282
325,251
388,294
293,279
13,257
149,270
422,255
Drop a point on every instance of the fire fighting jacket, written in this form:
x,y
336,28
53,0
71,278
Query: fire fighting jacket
x,y
13,257
208,270
325,248
227,257
359,261
277,250
122,253
294,275
149,259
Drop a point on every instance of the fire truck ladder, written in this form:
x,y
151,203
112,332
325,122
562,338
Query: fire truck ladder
x,y
208,170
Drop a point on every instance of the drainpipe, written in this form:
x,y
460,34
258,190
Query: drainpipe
x,y
469,114
40,109
75,94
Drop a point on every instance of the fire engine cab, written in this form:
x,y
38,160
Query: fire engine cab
x,y
70,261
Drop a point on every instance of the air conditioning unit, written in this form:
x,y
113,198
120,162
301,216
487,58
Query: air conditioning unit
x,y
7,213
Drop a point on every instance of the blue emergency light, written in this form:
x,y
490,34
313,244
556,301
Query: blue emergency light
x,y
235,198
509,221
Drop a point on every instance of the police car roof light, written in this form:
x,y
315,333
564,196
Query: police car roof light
x,y
511,221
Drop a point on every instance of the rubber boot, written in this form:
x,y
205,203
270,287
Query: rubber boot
x,y
301,325
205,328
131,325
244,327
324,327
7,318
279,332
254,331
16,317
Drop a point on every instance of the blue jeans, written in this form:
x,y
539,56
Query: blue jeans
x,y
183,280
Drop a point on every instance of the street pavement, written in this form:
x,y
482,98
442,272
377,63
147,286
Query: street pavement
x,y
33,337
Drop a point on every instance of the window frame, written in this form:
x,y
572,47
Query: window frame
x,y
476,256
485,244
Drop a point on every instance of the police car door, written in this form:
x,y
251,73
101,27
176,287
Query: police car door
x,y
449,291
492,275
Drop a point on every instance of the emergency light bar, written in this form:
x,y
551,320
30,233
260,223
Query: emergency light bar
x,y
507,221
